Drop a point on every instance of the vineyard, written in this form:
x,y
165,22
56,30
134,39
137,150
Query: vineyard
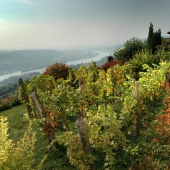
x,y
114,116
107,119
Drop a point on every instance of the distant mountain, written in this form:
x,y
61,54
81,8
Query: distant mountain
x,y
26,60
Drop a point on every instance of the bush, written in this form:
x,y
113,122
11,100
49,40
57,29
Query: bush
x,y
18,155
57,70
141,58
131,47
9,102
108,65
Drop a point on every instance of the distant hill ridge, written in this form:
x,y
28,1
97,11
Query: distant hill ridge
x,y
26,60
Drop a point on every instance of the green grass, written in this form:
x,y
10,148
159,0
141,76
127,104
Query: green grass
x,y
18,122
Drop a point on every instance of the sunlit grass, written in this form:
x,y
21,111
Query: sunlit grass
x,y
18,123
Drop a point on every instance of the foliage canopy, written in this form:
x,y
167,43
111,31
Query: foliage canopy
x,y
131,47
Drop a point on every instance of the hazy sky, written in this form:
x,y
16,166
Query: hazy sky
x,y
52,24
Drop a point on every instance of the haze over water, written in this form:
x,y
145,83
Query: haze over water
x,y
100,55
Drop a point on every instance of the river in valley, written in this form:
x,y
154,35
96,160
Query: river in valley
x,y
100,55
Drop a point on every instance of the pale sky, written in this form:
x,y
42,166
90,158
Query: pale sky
x,y
54,24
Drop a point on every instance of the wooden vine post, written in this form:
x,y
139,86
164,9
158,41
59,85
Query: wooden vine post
x,y
84,139
25,98
46,125
71,77
137,131
94,75
81,85
112,75
37,104
112,80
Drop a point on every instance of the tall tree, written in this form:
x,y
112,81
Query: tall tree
x,y
158,38
150,38
154,39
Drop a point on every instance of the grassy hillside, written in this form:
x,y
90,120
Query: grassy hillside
x,y
18,123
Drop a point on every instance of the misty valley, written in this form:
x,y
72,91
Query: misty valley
x,y
26,60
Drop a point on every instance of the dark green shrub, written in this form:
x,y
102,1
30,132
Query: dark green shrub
x,y
131,47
